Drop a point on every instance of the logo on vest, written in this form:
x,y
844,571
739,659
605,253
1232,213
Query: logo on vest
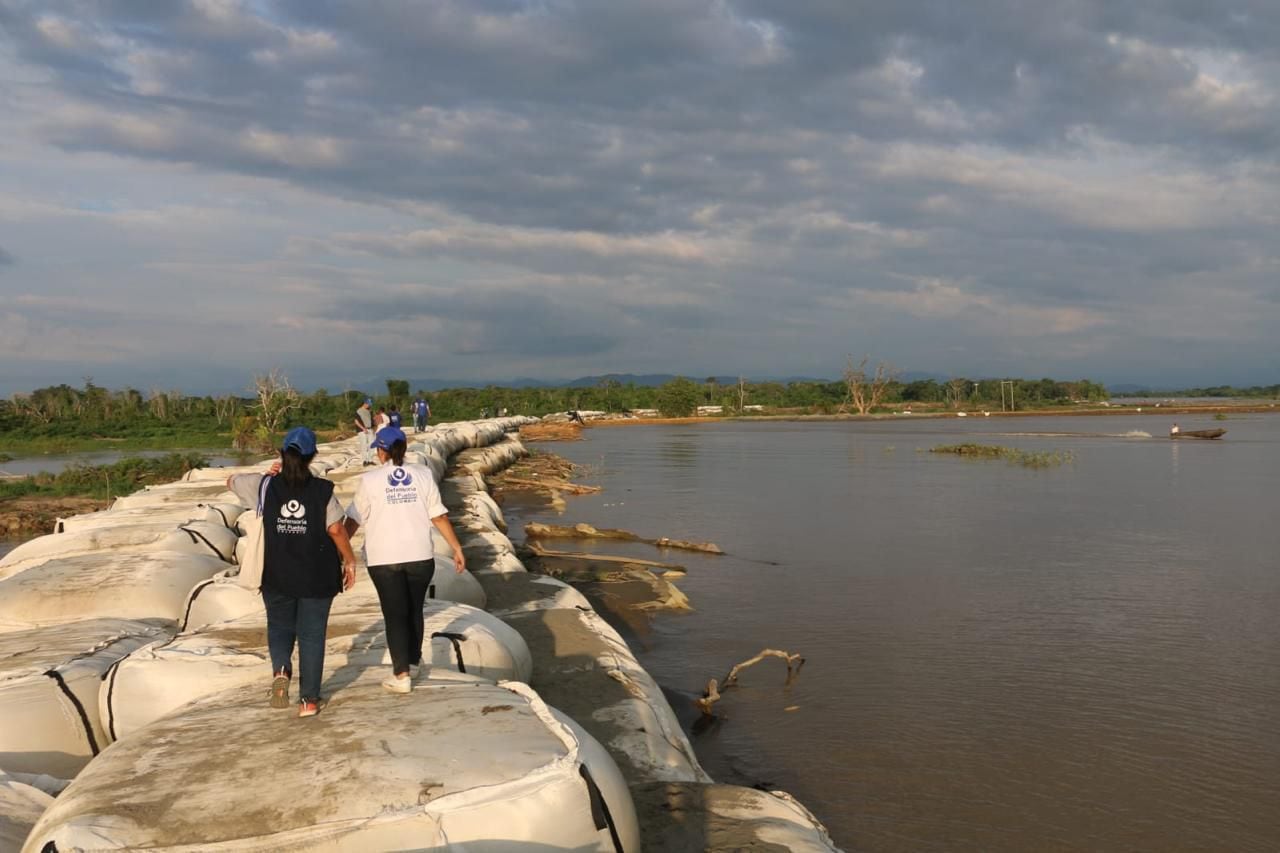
x,y
293,518
400,488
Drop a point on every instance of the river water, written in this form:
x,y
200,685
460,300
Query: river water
x,y
1082,657
25,466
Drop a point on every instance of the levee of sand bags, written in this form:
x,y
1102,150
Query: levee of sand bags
x,y
162,677
193,758
488,767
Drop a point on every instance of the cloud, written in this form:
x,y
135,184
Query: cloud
x,y
6,259
656,185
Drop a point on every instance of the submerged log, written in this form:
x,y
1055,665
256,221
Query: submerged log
x,y
535,530
540,551
712,694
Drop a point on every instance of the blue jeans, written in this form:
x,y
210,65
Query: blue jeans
x,y
304,620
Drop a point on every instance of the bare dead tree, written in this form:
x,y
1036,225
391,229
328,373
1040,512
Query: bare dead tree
x,y
224,407
956,389
276,397
159,404
864,392
742,394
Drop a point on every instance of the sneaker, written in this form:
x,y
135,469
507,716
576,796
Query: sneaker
x,y
280,691
310,707
398,683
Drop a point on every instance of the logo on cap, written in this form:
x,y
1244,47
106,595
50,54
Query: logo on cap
x,y
400,477
293,509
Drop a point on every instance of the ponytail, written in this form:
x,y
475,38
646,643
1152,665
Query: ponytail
x,y
296,468
396,451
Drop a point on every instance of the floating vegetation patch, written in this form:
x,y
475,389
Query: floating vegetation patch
x,y
1025,458
1220,416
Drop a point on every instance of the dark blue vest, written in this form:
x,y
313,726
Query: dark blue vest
x,y
300,558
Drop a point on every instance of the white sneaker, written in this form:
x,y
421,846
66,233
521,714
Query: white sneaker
x,y
398,683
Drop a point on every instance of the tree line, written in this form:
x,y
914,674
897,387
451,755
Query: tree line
x,y
273,405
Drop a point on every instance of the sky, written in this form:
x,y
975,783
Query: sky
x,y
195,191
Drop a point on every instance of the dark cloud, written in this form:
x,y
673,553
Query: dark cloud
x,y
6,259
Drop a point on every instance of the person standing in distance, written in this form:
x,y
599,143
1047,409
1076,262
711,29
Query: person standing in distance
x,y
307,561
364,431
398,504
421,411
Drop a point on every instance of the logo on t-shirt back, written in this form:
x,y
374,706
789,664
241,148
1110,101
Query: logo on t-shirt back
x,y
293,518
400,488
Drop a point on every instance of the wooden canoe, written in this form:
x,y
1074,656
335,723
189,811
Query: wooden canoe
x,y
1199,433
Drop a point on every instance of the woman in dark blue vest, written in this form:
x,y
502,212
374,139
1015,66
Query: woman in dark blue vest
x,y
307,561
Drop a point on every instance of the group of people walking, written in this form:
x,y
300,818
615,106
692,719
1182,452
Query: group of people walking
x,y
307,564
368,423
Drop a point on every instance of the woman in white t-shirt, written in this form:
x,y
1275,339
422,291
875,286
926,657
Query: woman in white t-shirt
x,y
397,505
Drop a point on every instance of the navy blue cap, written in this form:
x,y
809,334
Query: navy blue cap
x,y
388,436
300,439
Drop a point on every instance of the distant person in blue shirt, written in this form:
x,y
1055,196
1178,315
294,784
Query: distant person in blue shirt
x,y
393,417
421,411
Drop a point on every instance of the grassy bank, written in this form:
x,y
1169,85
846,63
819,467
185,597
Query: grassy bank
x,y
101,482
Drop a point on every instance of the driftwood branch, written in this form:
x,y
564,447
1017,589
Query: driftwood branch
x,y
540,551
535,530
712,694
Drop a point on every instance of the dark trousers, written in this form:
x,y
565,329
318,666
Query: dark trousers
x,y
402,590
300,620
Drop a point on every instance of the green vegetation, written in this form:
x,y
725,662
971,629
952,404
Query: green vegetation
x,y
1025,458
1220,416
1254,391
63,419
104,481
679,398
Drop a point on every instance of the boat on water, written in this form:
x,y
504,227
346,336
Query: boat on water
x,y
1198,433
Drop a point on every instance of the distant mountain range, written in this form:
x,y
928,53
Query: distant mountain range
x,y
641,379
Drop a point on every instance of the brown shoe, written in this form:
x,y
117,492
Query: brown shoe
x,y
280,691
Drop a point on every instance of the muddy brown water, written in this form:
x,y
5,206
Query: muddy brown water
x,y
1083,657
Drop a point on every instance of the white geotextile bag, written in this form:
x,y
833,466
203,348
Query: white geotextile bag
x,y
195,537
120,584
479,767
218,513
20,807
218,599
49,684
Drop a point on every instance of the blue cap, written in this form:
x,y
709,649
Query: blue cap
x,y
388,436
300,439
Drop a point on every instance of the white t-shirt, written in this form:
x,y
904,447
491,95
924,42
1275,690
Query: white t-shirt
x,y
395,506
